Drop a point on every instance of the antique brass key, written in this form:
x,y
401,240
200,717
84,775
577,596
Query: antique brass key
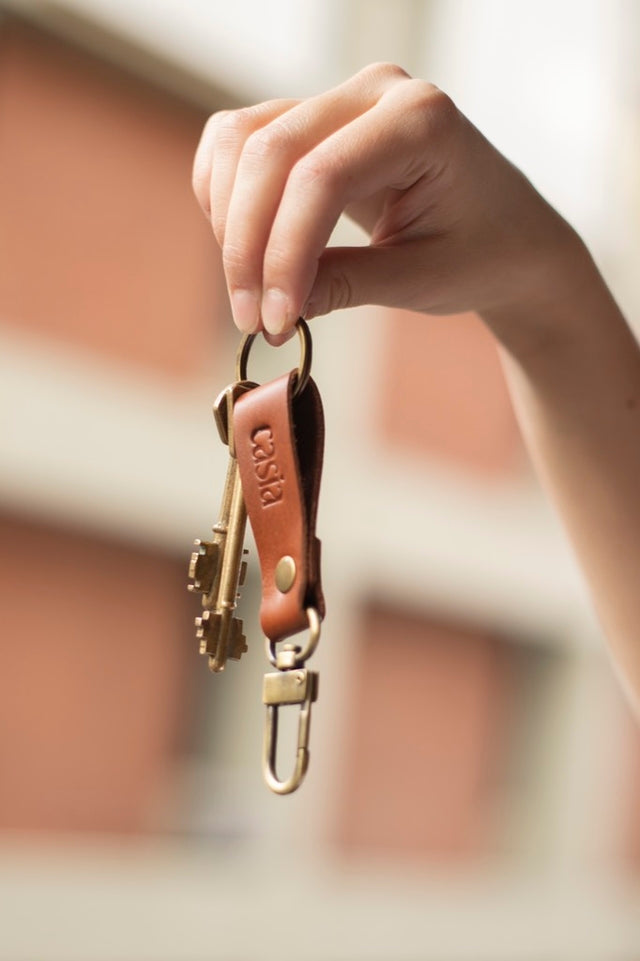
x,y
217,568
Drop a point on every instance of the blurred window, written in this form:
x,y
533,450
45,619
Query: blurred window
x,y
439,718
95,686
102,243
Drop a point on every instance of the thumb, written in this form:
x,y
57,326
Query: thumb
x,y
353,276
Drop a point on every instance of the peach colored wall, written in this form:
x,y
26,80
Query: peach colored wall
x,y
94,686
443,393
101,241
425,738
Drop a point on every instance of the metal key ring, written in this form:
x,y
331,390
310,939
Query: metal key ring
x,y
304,368
301,654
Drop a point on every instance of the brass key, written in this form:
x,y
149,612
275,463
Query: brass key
x,y
217,568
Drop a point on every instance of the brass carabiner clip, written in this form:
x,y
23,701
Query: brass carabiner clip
x,y
298,686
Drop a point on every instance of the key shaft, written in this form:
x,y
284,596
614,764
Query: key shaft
x,y
225,638
217,568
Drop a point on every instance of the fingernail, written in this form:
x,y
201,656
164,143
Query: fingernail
x,y
245,305
275,310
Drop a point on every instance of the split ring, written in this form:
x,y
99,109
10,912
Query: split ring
x,y
304,367
304,653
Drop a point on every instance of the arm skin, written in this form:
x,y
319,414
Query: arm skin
x,y
576,391
453,226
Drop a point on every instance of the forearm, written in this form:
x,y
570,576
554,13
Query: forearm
x,y
574,376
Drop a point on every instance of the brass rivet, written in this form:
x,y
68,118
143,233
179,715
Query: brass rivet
x,y
285,573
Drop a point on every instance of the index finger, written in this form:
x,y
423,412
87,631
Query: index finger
x,y
387,146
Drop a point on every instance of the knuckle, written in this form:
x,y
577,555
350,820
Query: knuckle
x,y
200,185
442,106
231,125
384,71
267,142
235,257
434,103
277,266
211,124
316,170
215,120
340,291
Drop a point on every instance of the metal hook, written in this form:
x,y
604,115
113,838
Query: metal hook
x,y
299,686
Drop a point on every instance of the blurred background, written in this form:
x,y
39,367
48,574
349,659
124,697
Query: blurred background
x,y
474,791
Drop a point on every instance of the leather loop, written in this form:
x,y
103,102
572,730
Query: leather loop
x,y
279,444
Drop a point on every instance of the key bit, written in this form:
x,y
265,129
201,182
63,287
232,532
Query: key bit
x,y
243,571
203,566
220,637
237,641
202,630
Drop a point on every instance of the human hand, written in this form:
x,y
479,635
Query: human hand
x,y
453,225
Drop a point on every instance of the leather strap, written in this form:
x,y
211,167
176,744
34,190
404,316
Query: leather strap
x,y
279,444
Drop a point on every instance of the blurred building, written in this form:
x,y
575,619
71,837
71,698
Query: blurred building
x,y
475,774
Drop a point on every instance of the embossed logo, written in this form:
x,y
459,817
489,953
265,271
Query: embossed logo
x,y
265,467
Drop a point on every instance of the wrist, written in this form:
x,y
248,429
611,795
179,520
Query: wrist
x,y
558,294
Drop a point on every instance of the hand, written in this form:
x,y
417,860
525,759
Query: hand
x,y
453,225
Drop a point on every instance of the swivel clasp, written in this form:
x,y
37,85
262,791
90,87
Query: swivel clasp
x,y
296,686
